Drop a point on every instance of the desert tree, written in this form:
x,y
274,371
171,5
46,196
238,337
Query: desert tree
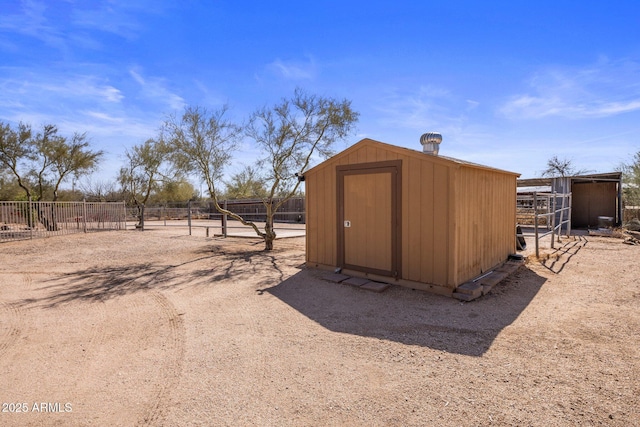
x,y
41,161
562,167
246,184
145,169
69,157
9,189
291,135
177,189
631,180
16,153
202,142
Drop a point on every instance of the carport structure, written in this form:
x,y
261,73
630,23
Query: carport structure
x,y
593,196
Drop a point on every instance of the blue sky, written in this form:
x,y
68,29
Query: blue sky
x,y
507,83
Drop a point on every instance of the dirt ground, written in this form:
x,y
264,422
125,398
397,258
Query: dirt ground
x,y
152,328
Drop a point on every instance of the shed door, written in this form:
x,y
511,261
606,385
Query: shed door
x,y
368,224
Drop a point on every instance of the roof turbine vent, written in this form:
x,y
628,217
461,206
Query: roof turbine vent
x,y
431,143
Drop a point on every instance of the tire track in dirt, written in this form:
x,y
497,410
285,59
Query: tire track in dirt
x,y
10,330
27,280
174,347
97,335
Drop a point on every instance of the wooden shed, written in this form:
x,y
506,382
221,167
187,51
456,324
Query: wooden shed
x,y
403,216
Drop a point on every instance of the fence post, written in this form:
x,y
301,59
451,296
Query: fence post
x,y
569,217
30,218
124,211
561,217
84,215
224,219
189,216
553,221
535,222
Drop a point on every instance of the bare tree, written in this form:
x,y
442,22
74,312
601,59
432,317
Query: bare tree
x,y
100,190
561,167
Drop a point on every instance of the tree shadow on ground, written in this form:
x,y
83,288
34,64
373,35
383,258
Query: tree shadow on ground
x,y
408,316
210,266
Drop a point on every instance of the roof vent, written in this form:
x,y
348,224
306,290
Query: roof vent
x,y
431,143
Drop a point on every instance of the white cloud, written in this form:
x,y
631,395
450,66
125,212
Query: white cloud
x,y
103,117
426,108
294,70
605,89
33,22
83,88
471,104
155,88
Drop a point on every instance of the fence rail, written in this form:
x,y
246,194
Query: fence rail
x,y
553,210
31,220
291,216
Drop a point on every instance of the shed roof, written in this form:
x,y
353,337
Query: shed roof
x,y
412,153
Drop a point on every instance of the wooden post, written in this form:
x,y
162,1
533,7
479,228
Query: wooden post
x,y
224,219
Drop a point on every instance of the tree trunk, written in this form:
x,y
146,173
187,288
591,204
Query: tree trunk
x,y
140,216
49,224
269,232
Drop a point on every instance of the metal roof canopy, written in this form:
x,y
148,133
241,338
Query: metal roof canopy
x,y
597,177
591,178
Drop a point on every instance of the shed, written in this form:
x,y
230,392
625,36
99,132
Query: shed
x,y
593,196
403,216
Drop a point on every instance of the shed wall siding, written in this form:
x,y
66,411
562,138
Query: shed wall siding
x,y
485,221
425,214
456,221
425,221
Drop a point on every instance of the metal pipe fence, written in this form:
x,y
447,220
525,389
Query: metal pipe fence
x,y
20,220
527,207
558,216
204,215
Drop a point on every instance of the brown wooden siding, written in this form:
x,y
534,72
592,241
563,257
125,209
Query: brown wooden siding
x,y
485,221
456,220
